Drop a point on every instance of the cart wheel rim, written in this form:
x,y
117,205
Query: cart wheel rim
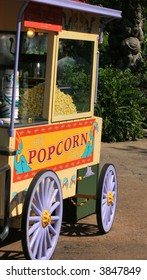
x,y
108,198
44,216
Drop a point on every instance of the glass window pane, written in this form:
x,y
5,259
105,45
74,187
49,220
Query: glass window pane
x,y
7,55
32,67
74,75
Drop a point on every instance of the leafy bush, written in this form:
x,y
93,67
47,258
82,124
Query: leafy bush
x,y
142,71
123,105
77,78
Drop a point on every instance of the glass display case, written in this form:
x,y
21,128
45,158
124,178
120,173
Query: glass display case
x,y
31,74
72,92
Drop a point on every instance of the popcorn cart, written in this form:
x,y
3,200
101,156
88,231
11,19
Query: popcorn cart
x,y
50,134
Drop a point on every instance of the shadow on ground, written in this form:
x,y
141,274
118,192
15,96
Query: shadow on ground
x,y
131,148
11,255
78,230
67,229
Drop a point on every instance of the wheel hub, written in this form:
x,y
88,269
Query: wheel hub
x,y
46,218
110,198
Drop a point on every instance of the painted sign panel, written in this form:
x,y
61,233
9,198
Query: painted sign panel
x,y
43,17
57,147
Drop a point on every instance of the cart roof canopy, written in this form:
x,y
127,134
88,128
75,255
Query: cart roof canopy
x,y
76,5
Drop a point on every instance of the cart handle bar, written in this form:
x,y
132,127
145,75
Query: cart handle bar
x,y
5,231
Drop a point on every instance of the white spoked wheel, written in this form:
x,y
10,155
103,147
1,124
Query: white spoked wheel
x,y
42,216
106,198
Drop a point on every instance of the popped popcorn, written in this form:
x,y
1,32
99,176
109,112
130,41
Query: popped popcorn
x,y
64,103
31,104
31,101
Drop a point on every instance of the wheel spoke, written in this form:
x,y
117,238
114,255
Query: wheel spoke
x,y
104,195
34,237
48,238
105,190
104,209
54,206
109,180
104,200
54,194
40,247
106,217
34,218
112,186
37,242
41,193
114,194
112,209
55,218
44,244
50,190
33,228
46,190
36,209
109,213
53,231
38,201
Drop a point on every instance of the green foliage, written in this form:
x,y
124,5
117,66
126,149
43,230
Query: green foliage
x,y
103,49
123,105
144,48
79,81
142,71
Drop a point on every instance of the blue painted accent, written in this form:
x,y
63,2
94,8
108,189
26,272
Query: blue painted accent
x,y
90,147
21,166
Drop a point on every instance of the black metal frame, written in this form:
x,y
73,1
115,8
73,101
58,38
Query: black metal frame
x,y
5,228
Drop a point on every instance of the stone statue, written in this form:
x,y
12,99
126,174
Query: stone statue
x,y
127,36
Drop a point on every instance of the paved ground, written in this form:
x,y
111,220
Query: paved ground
x,y
128,237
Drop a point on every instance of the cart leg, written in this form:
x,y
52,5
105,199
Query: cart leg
x,y
7,171
106,198
42,216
